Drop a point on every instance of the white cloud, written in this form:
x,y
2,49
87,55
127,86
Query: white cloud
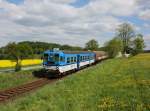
x,y
145,14
147,37
63,1
144,9
147,41
112,7
58,21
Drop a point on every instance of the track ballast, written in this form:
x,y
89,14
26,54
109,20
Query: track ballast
x,y
14,92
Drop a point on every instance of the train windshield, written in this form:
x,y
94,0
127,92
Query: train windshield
x,y
51,58
56,57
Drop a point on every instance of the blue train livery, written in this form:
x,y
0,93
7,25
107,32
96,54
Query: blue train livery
x,y
64,61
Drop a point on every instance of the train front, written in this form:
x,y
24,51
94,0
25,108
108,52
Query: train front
x,y
51,61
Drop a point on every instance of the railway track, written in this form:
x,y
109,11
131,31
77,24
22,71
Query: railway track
x,y
9,94
12,93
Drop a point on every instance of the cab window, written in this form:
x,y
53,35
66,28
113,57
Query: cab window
x,y
62,59
56,57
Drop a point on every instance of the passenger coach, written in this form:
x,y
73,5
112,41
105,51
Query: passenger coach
x,y
64,61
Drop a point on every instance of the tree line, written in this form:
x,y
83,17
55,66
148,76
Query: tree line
x,y
29,50
125,41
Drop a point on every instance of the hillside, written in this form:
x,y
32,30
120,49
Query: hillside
x,y
35,49
115,84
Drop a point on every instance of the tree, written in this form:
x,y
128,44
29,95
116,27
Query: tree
x,y
17,53
138,44
92,45
125,32
113,47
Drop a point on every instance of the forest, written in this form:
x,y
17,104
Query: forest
x,y
33,49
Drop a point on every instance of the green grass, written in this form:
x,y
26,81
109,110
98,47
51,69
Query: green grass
x,y
113,85
8,80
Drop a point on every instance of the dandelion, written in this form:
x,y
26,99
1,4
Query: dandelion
x,y
106,103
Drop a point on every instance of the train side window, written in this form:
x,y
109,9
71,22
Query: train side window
x,y
75,59
90,58
86,57
80,58
71,59
68,59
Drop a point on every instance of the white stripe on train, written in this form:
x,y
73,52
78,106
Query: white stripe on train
x,y
65,68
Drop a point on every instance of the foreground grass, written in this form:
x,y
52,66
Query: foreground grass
x,y
116,85
8,80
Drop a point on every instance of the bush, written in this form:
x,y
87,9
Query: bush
x,y
113,47
18,67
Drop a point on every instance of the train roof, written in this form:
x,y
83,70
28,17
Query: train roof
x,y
76,52
69,52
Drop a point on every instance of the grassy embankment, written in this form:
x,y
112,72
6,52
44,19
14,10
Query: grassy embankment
x,y
116,85
15,78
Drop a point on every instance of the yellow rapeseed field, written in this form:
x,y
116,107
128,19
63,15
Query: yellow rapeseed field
x,y
25,62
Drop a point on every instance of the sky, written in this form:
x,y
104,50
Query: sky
x,y
72,22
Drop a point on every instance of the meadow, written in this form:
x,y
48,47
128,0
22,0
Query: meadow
x,y
25,62
113,85
8,80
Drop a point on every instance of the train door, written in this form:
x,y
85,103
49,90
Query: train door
x,y
78,62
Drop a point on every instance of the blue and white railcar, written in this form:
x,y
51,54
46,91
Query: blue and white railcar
x,y
63,61
86,58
